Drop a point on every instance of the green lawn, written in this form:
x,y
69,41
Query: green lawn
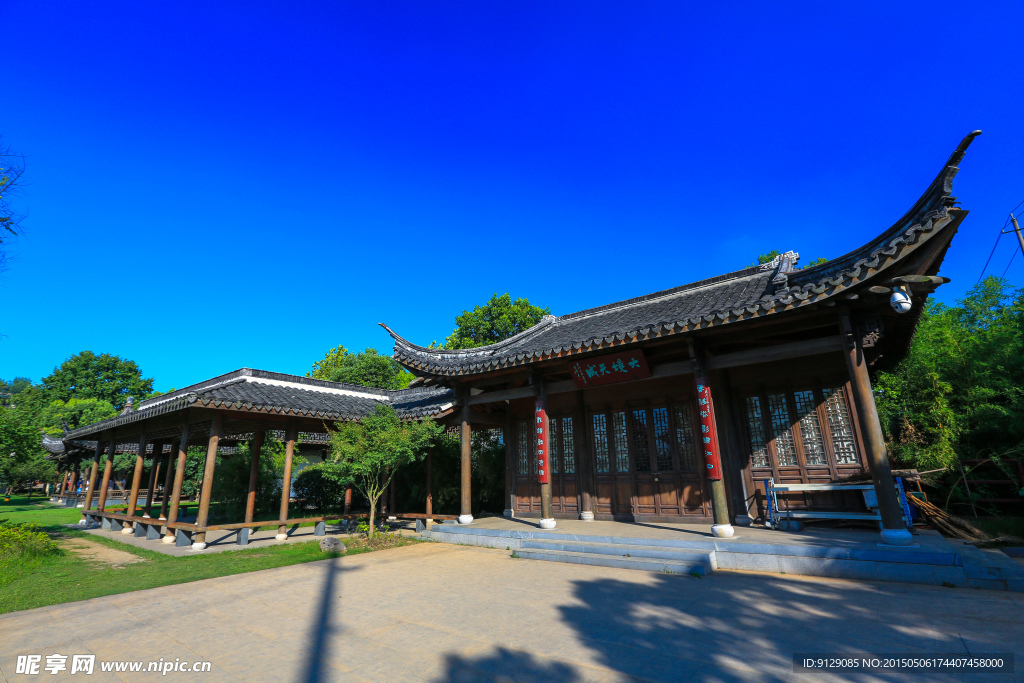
x,y
25,584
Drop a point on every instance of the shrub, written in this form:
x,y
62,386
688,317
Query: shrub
x,y
320,487
25,540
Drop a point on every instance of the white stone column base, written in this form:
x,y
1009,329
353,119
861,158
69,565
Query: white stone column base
x,y
81,522
167,539
281,537
743,520
587,516
162,518
127,529
722,530
897,537
198,546
80,505
508,513
547,524
465,519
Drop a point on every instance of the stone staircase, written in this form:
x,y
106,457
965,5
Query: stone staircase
x,y
943,564
621,553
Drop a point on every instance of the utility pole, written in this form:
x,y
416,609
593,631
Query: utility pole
x,y
1016,229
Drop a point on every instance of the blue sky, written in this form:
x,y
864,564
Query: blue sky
x,y
250,184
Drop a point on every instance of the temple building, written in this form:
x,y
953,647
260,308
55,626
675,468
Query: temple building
x,y
675,406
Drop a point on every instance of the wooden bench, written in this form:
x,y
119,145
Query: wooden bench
x,y
184,531
785,519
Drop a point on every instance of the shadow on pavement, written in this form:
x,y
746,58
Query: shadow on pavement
x,y
322,629
717,629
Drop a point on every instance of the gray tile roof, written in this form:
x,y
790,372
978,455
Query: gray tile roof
x,y
736,297
273,392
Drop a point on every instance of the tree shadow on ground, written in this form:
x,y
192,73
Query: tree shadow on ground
x,y
508,665
722,628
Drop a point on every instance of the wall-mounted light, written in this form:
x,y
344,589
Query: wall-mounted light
x,y
900,300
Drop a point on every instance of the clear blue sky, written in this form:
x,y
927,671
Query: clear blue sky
x,y
249,184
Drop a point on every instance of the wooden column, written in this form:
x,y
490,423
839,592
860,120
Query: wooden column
x,y
93,472
894,527
465,436
587,482
430,482
64,483
722,528
286,486
133,496
348,498
106,471
179,476
73,480
254,473
735,477
543,452
507,436
169,469
216,425
154,468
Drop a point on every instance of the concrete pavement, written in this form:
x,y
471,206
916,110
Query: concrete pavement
x,y
434,612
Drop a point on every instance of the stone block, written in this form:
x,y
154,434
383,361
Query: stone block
x,y
331,544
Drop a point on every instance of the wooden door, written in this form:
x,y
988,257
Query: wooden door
x,y
565,489
613,475
527,489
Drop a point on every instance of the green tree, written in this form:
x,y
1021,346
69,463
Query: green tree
x,y
21,456
367,368
498,319
371,451
106,377
77,412
770,256
959,392
765,258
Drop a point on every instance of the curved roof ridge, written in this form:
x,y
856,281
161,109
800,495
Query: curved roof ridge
x,y
489,349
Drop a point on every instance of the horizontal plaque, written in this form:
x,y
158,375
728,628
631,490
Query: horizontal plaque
x,y
615,367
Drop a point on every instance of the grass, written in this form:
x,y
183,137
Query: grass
x,y
999,526
37,582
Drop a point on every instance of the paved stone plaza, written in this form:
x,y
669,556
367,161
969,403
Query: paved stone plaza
x,y
437,612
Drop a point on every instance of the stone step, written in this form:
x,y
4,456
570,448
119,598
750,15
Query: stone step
x,y
622,550
700,567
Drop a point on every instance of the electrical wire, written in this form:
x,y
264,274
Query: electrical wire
x,y
1011,261
990,256
1002,231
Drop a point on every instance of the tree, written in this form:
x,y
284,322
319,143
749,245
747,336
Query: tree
x,y
369,452
77,412
106,377
21,456
368,368
957,394
498,319
12,167
770,256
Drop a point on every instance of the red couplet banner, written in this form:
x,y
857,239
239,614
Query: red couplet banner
x,y
708,433
541,432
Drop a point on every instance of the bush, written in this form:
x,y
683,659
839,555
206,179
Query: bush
x,y
25,541
320,487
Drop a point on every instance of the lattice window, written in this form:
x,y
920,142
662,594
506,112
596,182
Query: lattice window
x,y
840,427
755,428
619,440
568,446
600,425
524,445
780,420
662,439
684,438
554,455
642,449
810,428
